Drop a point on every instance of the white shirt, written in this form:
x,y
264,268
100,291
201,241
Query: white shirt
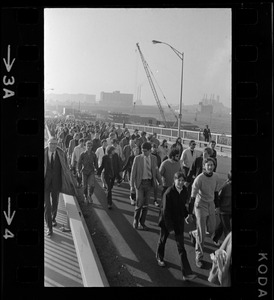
x,y
100,153
187,158
49,153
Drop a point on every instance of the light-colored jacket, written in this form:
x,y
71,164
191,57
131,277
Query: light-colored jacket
x,y
187,159
76,154
68,186
138,168
100,153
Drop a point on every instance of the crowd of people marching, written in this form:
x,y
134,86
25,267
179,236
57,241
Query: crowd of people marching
x,y
185,178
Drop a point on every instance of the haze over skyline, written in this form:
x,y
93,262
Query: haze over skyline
x,y
93,50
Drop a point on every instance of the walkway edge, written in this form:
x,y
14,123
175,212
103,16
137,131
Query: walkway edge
x,y
93,274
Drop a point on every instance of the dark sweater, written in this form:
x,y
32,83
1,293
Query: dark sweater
x,y
225,198
196,169
173,210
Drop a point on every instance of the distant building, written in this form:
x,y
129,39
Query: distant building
x,y
212,105
82,98
206,109
116,99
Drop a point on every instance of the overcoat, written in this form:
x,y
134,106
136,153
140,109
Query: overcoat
x,y
68,186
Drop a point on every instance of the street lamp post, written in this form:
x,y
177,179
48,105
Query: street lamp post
x,y
181,56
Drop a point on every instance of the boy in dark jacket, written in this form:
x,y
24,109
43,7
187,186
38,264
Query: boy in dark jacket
x,y
110,166
173,213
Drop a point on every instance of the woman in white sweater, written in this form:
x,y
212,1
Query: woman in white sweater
x,y
204,196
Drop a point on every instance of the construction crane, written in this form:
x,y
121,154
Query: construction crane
x,y
145,64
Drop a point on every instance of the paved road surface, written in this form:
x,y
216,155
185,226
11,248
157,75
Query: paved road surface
x,y
136,248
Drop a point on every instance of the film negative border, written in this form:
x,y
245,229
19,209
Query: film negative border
x,y
252,151
22,148
22,125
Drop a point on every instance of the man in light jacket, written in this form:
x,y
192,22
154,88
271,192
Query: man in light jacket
x,y
144,175
188,156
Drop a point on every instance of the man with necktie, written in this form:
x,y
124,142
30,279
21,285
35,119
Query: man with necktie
x,y
57,179
144,175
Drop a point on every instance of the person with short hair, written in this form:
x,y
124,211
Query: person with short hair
x,y
142,139
96,143
168,168
127,168
198,165
214,153
72,144
173,214
68,138
119,152
154,151
204,199
119,132
144,175
87,165
78,150
100,152
126,140
188,156
112,135
207,134
155,140
163,150
135,134
57,179
109,167
127,153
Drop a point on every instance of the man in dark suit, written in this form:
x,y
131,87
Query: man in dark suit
x,y
53,183
57,179
110,168
144,175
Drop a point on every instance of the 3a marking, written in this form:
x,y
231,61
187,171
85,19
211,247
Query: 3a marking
x,y
11,80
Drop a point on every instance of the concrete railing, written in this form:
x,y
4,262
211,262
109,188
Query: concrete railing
x,y
223,142
90,265
91,269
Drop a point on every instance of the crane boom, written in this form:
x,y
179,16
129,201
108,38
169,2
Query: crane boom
x,y
145,64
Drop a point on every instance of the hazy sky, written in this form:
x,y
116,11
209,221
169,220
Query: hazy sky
x,y
94,50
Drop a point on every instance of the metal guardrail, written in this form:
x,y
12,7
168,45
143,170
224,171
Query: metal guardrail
x,y
223,142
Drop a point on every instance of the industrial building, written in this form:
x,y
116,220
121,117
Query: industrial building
x,y
116,99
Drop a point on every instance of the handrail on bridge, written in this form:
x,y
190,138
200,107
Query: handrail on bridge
x,y
223,142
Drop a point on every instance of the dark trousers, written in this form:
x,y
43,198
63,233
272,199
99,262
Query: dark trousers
x,y
160,252
142,199
163,190
109,183
223,227
186,170
51,199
